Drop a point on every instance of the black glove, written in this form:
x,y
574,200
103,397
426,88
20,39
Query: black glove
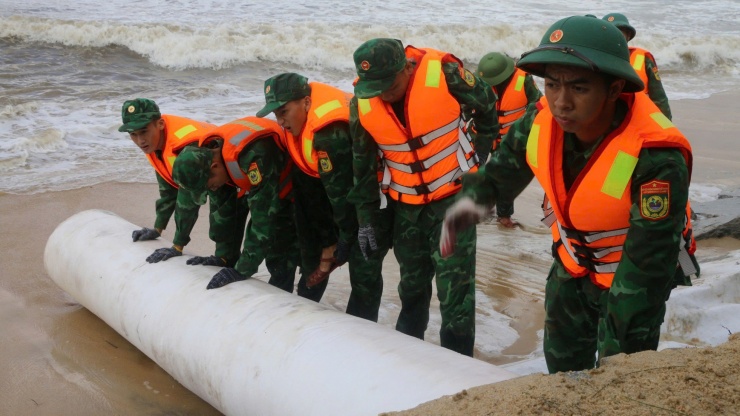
x,y
341,254
207,261
145,234
162,254
482,157
366,238
224,277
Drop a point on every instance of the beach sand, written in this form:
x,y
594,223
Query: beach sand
x,y
56,358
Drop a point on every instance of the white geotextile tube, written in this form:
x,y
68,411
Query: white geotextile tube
x,y
248,348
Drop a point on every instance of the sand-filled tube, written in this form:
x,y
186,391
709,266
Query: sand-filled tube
x,y
248,348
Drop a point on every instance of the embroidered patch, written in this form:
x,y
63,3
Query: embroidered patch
x,y
255,177
469,78
324,162
556,36
655,73
654,197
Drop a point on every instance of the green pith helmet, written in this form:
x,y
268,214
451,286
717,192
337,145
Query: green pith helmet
x,y
495,68
587,43
620,21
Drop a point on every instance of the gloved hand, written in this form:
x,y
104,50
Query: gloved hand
x,y
145,234
461,215
482,157
162,254
366,238
207,261
341,254
224,277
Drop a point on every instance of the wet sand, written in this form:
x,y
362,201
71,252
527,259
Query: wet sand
x,y
58,358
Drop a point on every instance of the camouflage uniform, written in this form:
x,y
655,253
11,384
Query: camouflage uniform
x,y
582,319
416,228
270,232
497,70
327,216
225,216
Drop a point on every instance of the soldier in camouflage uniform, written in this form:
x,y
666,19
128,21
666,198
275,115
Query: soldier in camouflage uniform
x,y
644,64
616,175
417,126
314,117
161,137
516,91
270,232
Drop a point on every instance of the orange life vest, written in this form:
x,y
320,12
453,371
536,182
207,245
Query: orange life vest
x,y
239,134
511,103
424,159
179,132
590,221
328,105
637,60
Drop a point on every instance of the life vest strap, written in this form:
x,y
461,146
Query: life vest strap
x,y
506,113
422,165
421,141
592,236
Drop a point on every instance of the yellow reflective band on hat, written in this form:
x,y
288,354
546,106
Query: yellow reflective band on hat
x,y
434,73
619,175
519,83
325,108
248,124
662,120
532,144
639,62
185,130
364,105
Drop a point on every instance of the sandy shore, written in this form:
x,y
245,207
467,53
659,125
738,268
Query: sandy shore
x,y
57,358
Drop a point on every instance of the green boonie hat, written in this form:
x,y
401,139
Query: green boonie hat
x,y
495,68
377,62
620,21
137,113
191,171
283,88
587,43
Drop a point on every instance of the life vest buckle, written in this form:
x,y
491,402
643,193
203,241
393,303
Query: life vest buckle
x,y
421,189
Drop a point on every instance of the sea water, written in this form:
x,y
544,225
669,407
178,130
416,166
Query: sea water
x,y
66,67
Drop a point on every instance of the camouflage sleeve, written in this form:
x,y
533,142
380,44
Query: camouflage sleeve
x,y
225,222
531,90
507,173
165,205
655,87
365,193
648,270
267,159
333,144
476,98
186,215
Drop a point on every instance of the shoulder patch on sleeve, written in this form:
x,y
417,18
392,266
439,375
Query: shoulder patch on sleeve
x,y
654,200
255,177
468,77
324,161
655,73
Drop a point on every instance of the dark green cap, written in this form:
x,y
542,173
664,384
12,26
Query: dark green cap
x,y
620,21
137,113
191,171
495,68
283,88
377,62
587,43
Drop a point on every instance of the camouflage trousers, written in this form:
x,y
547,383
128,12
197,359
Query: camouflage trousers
x,y
582,319
366,276
416,235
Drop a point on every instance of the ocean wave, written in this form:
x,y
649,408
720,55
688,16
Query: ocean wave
x,y
321,46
